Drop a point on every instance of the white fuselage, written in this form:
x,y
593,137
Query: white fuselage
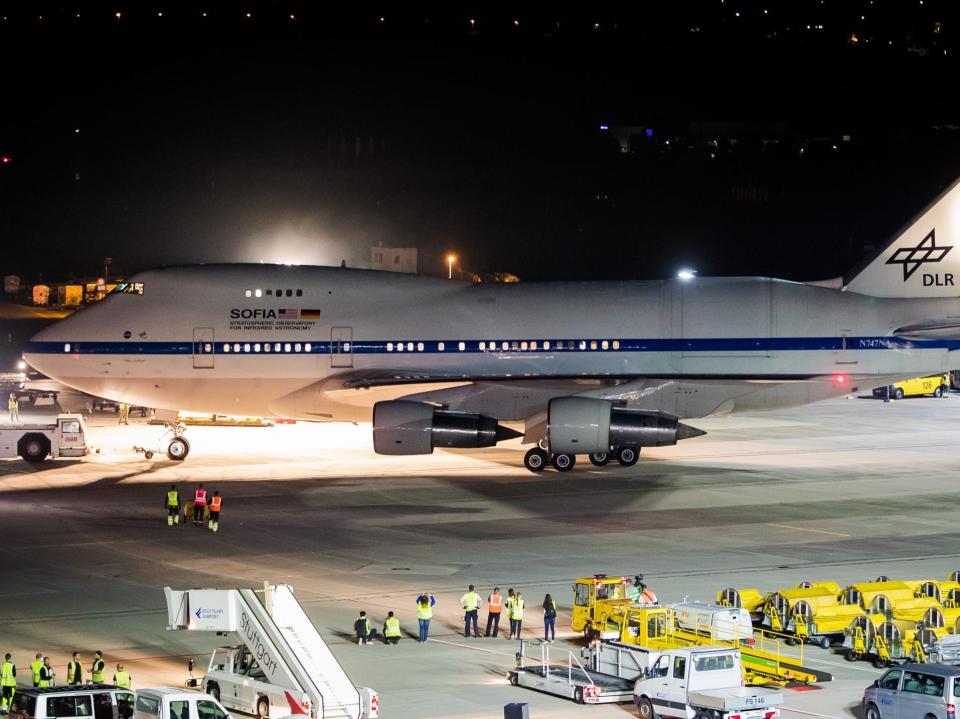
x,y
210,338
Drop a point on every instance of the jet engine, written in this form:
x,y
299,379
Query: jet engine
x,y
584,425
404,427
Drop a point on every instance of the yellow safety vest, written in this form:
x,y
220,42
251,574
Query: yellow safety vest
x,y
96,671
173,499
122,679
35,667
46,676
471,600
424,611
516,611
74,673
391,627
8,675
12,404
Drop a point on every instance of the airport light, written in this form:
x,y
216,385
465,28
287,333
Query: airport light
x,y
21,366
686,274
451,258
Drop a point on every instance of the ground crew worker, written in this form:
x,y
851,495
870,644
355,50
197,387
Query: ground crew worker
x,y
517,613
124,413
511,599
46,673
363,629
199,504
35,668
8,682
121,678
13,406
471,606
75,670
633,590
494,607
391,630
425,604
215,502
172,503
98,669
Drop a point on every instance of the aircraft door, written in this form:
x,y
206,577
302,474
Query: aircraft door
x,y
341,347
203,348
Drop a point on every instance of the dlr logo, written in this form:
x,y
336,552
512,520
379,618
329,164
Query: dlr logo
x,y
938,280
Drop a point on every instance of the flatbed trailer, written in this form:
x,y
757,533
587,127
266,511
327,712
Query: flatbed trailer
x,y
568,677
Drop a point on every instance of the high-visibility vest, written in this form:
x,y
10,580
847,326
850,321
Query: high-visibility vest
x,y
173,498
471,600
46,676
35,668
215,503
391,627
13,404
8,675
516,612
495,603
122,679
200,497
96,671
74,673
424,611
365,623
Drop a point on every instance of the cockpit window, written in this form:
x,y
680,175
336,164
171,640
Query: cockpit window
x,y
130,288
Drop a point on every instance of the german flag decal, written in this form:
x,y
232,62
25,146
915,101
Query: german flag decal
x,y
309,314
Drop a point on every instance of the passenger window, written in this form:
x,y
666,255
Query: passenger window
x,y
145,705
102,706
932,685
581,596
70,427
913,683
72,706
661,668
206,709
890,680
657,625
289,293
299,293
179,710
679,667
125,705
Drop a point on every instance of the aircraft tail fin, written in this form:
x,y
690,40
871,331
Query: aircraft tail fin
x,y
921,260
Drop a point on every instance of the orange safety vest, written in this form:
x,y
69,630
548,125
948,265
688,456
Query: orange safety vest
x,y
215,503
494,603
200,497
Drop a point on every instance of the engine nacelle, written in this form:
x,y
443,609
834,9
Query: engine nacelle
x,y
403,427
583,425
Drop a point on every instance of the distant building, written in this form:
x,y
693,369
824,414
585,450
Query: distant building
x,y
393,259
41,295
11,284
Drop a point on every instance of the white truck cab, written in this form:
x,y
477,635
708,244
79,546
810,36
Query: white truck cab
x,y
236,679
66,437
702,683
168,703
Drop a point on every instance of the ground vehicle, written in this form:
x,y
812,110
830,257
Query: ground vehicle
x,y
169,703
67,437
913,690
568,678
99,701
936,384
236,679
702,682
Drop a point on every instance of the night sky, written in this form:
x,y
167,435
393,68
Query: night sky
x,y
307,132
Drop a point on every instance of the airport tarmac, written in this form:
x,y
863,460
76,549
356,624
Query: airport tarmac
x,y
844,490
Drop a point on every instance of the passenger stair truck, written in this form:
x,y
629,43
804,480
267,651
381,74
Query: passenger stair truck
x,y
281,637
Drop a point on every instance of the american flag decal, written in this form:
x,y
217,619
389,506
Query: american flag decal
x,y
288,314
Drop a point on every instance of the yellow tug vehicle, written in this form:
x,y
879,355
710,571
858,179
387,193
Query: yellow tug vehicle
x,y
601,611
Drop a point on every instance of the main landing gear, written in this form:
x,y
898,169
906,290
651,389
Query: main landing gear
x,y
177,446
537,459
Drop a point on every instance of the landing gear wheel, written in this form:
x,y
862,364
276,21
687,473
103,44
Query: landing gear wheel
x,y
578,695
645,709
263,708
599,459
149,455
824,642
628,456
535,459
564,462
178,449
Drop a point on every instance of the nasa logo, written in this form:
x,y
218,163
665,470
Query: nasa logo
x,y
249,314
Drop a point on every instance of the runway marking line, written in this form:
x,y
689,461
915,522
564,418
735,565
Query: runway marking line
x,y
804,529
467,646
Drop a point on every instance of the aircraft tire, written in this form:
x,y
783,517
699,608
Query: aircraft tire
x,y
535,459
564,462
898,392
599,459
628,456
178,449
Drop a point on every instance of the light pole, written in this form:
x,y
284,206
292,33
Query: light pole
x,y
451,258
107,261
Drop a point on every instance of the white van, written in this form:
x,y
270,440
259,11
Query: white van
x,y
89,701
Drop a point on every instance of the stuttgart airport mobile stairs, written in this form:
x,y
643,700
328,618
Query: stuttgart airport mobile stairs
x,y
278,633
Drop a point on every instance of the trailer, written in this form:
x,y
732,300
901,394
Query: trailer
x,y
568,678
34,442
291,655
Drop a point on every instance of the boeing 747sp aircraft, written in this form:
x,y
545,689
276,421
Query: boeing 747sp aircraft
x,y
595,368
